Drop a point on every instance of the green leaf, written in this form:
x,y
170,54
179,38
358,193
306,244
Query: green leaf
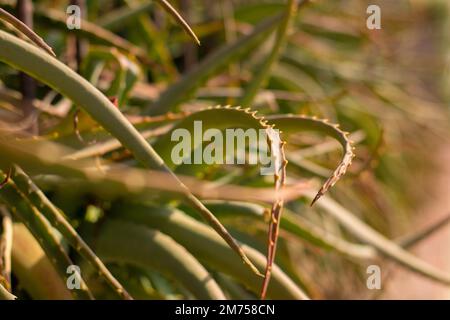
x,y
29,59
208,247
125,242
210,66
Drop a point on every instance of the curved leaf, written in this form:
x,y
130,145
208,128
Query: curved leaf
x,y
122,241
29,59
292,124
208,247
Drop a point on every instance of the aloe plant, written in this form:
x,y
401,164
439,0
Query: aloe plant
x,y
100,189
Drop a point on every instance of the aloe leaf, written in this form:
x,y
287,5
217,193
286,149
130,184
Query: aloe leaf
x,y
107,179
33,268
316,235
329,146
228,117
171,10
233,289
208,247
280,163
138,282
27,187
218,117
29,59
5,294
42,231
309,166
127,76
211,65
253,12
125,242
91,31
121,16
295,225
151,36
412,239
25,30
157,48
6,239
263,72
293,124
104,147
386,247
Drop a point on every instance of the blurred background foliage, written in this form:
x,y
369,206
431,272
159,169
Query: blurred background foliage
x,y
389,88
